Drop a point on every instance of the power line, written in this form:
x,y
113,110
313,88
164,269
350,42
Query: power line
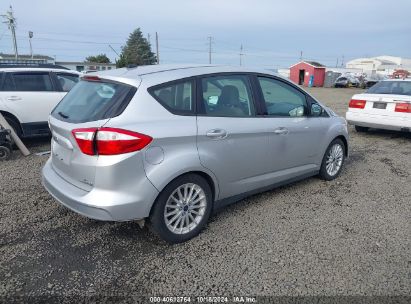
x,y
114,50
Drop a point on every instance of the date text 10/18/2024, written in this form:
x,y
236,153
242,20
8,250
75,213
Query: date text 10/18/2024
x,y
206,299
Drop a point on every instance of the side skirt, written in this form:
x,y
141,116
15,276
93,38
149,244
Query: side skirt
x,y
33,129
233,199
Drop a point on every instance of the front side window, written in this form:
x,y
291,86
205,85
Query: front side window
x,y
281,99
67,81
32,82
178,97
228,96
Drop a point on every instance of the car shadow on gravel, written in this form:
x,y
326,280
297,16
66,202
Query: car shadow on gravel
x,y
387,133
36,141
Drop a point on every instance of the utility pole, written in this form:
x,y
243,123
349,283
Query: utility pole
x,y
241,55
11,22
342,61
336,65
31,47
157,50
301,55
210,41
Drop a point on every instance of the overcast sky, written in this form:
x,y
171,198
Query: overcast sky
x,y
272,32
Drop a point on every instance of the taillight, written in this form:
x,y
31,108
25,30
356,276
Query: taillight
x,y
91,78
85,140
403,107
109,141
357,103
112,141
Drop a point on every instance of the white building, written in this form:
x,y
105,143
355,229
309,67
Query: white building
x,y
86,66
9,59
385,65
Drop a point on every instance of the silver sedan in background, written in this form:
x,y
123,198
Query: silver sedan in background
x,y
172,143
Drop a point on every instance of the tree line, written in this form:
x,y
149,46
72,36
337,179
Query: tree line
x,y
136,51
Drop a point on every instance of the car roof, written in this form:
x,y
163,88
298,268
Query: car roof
x,y
154,74
397,79
35,69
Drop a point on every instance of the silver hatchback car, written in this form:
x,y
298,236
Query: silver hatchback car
x,y
172,143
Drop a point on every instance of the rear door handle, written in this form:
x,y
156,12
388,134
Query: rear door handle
x,y
281,131
13,98
217,133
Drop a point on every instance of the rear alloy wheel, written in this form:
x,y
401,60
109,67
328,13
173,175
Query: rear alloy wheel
x,y
182,209
333,160
361,129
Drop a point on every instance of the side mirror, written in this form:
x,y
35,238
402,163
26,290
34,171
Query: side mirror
x,y
316,110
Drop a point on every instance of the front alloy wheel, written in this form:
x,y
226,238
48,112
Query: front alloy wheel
x,y
333,160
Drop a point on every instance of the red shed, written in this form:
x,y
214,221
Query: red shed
x,y
301,72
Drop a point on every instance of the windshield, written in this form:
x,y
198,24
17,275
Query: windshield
x,y
93,100
391,87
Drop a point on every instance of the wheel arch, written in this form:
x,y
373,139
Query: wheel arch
x,y
345,141
9,115
210,179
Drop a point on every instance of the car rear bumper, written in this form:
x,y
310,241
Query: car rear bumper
x,y
98,203
379,121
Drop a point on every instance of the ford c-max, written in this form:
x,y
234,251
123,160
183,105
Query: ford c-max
x,y
171,143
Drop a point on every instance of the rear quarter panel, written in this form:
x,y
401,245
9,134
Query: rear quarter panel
x,y
173,151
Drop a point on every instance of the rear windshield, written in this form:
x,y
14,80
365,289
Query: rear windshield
x,y
391,87
94,100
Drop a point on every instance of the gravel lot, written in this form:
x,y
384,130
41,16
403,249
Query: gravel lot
x,y
350,236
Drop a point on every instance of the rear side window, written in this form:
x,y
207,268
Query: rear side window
x,y
32,82
391,87
8,84
177,98
94,100
67,81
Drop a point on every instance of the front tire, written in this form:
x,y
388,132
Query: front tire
x,y
333,160
182,209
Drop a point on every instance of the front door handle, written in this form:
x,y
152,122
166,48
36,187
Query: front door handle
x,y
281,131
13,98
217,133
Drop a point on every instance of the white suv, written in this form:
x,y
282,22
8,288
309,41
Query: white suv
x,y
29,94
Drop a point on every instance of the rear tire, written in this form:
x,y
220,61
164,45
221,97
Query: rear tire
x,y
15,125
361,129
182,209
333,160
4,153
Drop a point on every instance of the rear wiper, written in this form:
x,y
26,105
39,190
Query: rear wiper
x,y
63,115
